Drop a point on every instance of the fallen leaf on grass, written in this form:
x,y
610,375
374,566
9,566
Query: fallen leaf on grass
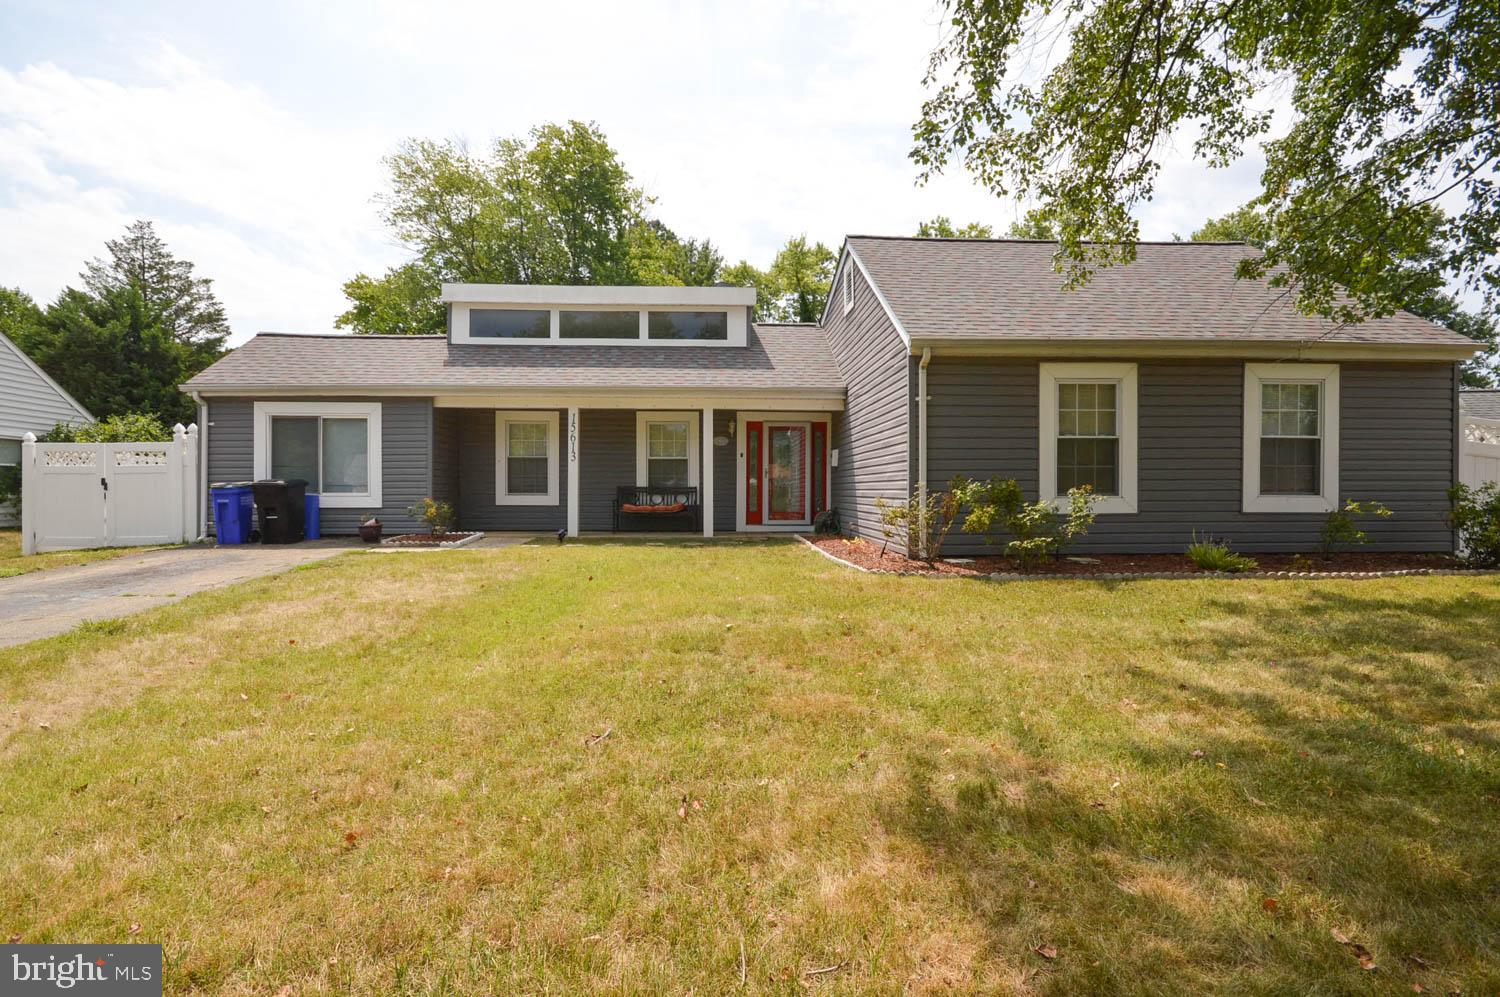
x,y
1197,752
1339,936
350,837
1270,904
1366,960
1048,952
134,929
14,940
1417,988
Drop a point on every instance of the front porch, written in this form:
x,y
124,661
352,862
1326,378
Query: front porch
x,y
608,469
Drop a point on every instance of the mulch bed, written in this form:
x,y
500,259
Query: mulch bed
x,y
867,554
429,539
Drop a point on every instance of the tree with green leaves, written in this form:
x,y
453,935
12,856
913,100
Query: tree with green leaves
x,y
20,318
1393,108
942,227
555,207
141,325
803,274
172,297
1413,282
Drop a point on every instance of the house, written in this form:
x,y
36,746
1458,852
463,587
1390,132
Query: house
x,y
1189,399
1480,403
30,402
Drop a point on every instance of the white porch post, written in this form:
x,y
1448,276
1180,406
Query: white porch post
x,y
706,473
572,454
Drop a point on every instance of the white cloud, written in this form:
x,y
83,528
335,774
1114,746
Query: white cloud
x,y
747,125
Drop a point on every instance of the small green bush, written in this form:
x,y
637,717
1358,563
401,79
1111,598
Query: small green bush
x,y
1215,555
1340,528
1040,531
904,521
437,515
1475,517
129,427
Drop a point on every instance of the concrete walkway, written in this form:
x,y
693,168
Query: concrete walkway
x,y
50,602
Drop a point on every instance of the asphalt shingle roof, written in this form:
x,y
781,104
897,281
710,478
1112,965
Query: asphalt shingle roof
x,y
1177,291
1482,403
776,357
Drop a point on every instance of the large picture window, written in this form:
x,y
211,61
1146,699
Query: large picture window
x,y
688,325
1088,433
526,458
1291,437
509,323
599,325
333,446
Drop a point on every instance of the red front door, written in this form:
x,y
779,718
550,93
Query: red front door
x,y
786,475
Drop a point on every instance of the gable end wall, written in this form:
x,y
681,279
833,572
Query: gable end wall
x,y
872,434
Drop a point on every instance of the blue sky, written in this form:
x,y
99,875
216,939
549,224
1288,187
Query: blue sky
x,y
252,133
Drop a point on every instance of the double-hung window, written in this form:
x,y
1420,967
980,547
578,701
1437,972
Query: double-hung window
x,y
1088,433
1291,437
526,457
333,446
667,449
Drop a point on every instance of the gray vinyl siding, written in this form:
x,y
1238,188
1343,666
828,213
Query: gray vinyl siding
x,y
872,434
445,442
29,403
476,481
406,457
606,460
725,474
1396,445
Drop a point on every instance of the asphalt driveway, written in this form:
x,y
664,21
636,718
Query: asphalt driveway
x,y
46,603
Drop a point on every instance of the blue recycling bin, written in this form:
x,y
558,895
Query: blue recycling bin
x,y
234,511
311,524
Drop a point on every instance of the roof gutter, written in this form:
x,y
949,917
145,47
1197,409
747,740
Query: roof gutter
x,y
1300,349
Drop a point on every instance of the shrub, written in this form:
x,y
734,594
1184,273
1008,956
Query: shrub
x,y
1039,531
130,427
826,523
437,515
1475,517
1215,555
1341,528
904,520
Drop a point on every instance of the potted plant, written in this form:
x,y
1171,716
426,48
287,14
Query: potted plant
x,y
370,530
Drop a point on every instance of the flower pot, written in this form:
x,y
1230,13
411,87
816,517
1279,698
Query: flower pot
x,y
370,530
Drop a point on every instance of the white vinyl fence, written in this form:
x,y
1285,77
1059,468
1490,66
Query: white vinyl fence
x,y
1479,460
76,495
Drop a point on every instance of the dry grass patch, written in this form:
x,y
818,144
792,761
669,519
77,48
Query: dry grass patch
x,y
894,785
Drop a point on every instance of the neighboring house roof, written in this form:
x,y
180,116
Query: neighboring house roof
x,y
1007,289
30,401
775,358
1481,403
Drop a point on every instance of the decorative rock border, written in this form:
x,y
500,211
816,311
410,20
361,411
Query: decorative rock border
x,y
393,543
1150,576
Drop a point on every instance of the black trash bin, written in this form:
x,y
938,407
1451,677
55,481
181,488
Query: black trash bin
x,y
278,509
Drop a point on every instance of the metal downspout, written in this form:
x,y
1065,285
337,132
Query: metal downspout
x,y
202,469
922,448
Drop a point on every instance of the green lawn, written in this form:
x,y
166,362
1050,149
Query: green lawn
x,y
12,563
383,774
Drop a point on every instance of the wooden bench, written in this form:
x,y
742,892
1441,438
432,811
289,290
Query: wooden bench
x,y
644,508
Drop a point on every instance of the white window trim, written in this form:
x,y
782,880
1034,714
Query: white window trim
x,y
1125,375
643,419
1326,375
369,411
502,419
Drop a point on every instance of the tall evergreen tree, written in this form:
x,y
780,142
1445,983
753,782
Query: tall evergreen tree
x,y
140,326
